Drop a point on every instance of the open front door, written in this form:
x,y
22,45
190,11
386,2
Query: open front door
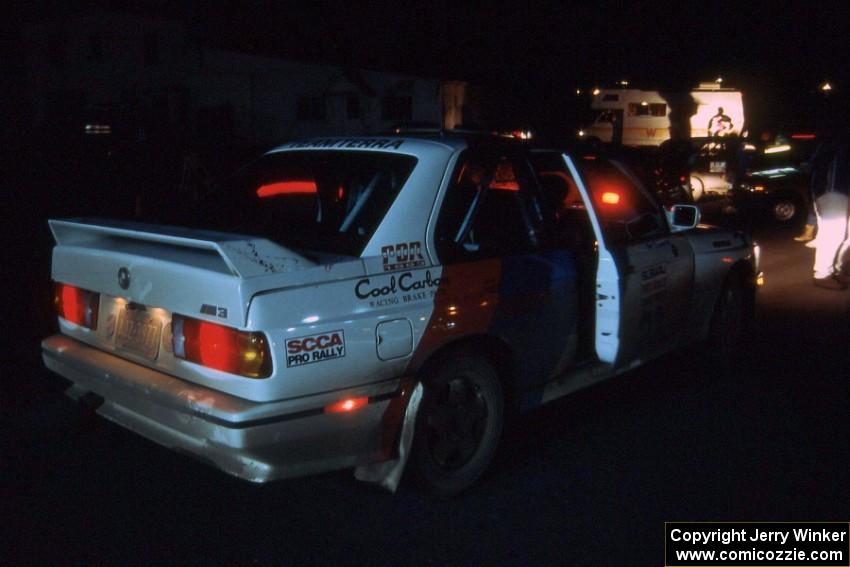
x,y
645,273
607,339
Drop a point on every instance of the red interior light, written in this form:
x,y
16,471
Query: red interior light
x,y
610,198
803,136
504,185
291,187
79,306
504,178
222,348
347,405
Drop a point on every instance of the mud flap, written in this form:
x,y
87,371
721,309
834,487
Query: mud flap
x,y
388,474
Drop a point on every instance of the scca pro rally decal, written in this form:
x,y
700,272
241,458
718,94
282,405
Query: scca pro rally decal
x,y
402,256
315,348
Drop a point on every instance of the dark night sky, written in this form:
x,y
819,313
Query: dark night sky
x,y
789,43
538,52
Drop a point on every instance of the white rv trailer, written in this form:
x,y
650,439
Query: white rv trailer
x,y
642,118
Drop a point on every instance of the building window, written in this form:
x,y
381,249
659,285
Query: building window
x,y
397,108
311,108
151,50
352,107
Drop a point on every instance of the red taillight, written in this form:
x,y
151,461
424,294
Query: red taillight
x,y
76,305
347,405
222,348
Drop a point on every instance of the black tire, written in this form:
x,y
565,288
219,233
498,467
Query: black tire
x,y
731,323
784,209
459,423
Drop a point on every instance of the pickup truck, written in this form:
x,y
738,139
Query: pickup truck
x,y
382,303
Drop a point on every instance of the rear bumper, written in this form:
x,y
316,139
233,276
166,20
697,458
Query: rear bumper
x,y
256,441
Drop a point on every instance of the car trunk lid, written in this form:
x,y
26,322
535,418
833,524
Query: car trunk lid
x,y
209,275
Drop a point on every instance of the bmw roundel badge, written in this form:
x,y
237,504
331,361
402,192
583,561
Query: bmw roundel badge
x,y
124,278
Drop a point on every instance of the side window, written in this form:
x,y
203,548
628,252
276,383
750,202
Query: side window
x,y
626,211
647,109
491,209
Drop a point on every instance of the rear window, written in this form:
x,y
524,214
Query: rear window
x,y
326,201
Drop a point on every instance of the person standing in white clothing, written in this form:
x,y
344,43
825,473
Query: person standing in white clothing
x,y
831,192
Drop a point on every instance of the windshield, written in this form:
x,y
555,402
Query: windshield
x,y
326,201
625,209
605,117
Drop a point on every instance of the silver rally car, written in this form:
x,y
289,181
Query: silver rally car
x,y
383,302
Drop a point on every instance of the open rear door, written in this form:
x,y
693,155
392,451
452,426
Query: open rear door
x,y
607,338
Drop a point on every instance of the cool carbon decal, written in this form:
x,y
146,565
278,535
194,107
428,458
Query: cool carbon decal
x,y
315,348
395,290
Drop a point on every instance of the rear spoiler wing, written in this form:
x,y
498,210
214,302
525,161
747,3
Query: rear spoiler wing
x,y
232,254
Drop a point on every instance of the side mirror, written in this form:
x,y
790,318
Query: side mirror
x,y
683,217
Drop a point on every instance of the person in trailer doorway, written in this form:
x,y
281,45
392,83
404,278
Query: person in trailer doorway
x,y
830,185
720,124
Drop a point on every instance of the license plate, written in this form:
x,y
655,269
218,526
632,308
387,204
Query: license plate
x,y
717,167
138,332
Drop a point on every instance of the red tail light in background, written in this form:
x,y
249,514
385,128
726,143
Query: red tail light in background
x,y
79,306
223,348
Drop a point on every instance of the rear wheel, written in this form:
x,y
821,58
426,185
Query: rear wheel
x,y
459,423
